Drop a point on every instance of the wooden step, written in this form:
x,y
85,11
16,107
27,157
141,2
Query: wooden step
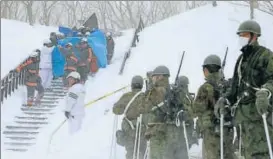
x,y
37,114
23,127
17,149
20,138
31,122
50,98
18,143
35,109
31,118
20,132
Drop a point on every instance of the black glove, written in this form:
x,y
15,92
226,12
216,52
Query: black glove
x,y
67,114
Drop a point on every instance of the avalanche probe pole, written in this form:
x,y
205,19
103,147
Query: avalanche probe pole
x,y
267,136
222,135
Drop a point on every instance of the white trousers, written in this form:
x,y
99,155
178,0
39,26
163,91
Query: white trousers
x,y
74,124
46,76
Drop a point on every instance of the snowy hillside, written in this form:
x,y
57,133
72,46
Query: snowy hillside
x,y
200,32
18,40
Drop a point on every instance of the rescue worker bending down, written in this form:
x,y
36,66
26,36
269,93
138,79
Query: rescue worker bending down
x,y
71,61
85,56
32,78
74,108
129,105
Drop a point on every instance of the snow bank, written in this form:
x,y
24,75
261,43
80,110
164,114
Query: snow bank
x,y
18,40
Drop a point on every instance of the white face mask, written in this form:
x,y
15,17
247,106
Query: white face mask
x,y
243,41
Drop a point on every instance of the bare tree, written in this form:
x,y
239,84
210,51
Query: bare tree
x,y
47,8
28,6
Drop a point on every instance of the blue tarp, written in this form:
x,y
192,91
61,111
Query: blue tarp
x,y
67,31
96,40
58,62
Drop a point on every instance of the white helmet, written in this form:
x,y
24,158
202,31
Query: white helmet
x,y
87,33
75,75
69,44
34,53
108,34
46,41
84,40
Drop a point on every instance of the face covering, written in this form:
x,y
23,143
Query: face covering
x,y
243,41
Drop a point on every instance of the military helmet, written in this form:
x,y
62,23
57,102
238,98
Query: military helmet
x,y
161,70
137,82
183,80
212,60
249,26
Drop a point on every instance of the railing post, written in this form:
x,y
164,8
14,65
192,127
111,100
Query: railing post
x,y
9,83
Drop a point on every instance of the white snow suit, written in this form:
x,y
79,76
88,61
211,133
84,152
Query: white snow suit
x,y
46,66
75,105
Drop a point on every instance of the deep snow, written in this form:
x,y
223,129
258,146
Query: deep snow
x,y
200,32
18,40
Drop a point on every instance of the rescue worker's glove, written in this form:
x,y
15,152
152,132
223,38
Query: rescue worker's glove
x,y
67,114
262,100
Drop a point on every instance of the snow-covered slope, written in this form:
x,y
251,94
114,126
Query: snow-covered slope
x,y
200,32
18,40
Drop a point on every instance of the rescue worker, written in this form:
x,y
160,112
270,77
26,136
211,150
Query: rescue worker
x,y
84,59
110,47
250,95
32,78
129,105
74,108
203,108
186,100
71,61
53,38
46,63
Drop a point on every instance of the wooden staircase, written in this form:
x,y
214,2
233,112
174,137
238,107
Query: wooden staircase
x,y
22,133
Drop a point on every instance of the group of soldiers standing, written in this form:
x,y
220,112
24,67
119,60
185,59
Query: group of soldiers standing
x,y
234,117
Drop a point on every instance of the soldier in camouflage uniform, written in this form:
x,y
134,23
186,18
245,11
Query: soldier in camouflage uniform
x,y
203,108
186,99
129,105
163,134
251,88
32,78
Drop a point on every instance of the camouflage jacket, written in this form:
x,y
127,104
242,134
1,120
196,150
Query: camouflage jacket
x,y
203,106
128,124
187,101
253,69
155,117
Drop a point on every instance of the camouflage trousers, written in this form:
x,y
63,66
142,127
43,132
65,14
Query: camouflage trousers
x,y
211,144
168,145
254,140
